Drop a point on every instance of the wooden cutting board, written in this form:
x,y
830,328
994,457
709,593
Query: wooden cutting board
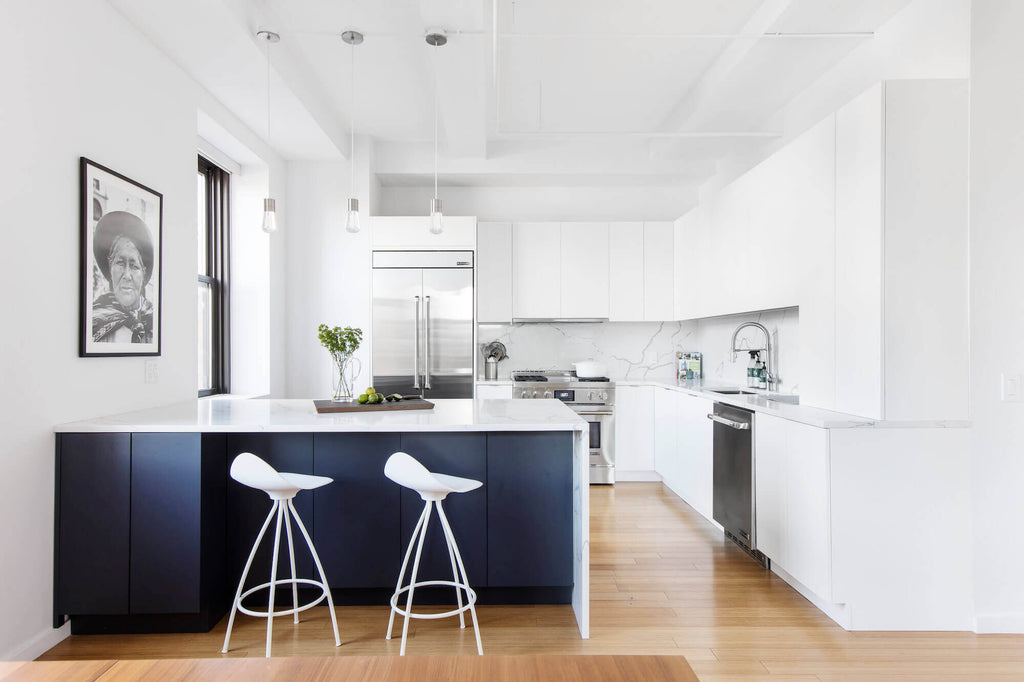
x,y
325,406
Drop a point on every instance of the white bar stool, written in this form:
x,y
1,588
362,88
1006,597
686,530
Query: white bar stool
x,y
433,488
250,470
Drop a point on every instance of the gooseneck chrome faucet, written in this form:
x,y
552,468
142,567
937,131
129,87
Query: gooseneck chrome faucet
x,y
767,349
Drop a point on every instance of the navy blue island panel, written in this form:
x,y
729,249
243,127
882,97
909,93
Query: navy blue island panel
x,y
152,534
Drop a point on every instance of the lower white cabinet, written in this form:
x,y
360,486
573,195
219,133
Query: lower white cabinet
x,y
695,452
634,432
665,435
683,452
494,391
791,492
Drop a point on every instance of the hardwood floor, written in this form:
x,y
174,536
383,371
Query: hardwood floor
x,y
663,581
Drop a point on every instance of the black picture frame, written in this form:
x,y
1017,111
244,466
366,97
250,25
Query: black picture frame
x,y
121,264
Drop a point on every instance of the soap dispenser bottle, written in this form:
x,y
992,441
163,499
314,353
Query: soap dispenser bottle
x,y
762,374
752,370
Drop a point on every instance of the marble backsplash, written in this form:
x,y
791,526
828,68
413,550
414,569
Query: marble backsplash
x,y
646,350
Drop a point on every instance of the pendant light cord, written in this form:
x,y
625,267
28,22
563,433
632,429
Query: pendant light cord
x,y
352,113
434,61
268,89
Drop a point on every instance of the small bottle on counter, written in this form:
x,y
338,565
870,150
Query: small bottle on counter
x,y
762,374
752,370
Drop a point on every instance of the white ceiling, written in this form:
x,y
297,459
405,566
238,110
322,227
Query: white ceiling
x,y
531,92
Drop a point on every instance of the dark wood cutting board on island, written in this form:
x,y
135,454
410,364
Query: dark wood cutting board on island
x,y
327,406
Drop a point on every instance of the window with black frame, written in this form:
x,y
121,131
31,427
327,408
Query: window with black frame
x,y
212,186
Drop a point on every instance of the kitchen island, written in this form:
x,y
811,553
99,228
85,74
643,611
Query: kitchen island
x,y
151,534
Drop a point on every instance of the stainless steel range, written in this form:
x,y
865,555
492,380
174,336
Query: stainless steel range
x,y
591,398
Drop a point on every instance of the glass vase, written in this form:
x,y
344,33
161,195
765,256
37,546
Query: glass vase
x,y
346,371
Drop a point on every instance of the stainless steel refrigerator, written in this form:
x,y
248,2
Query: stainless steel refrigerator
x,y
423,323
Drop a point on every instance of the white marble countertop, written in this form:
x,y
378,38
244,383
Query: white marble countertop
x,y
804,414
299,415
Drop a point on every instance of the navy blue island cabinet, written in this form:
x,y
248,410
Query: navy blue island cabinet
x,y
151,533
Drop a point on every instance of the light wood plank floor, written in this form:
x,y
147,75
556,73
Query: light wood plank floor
x,y
663,581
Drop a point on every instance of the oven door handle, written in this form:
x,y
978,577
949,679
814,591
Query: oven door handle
x,y
595,414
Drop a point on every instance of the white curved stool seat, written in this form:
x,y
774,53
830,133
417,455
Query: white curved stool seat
x,y
433,488
281,487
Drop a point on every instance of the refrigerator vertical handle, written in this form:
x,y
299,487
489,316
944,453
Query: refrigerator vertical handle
x,y
426,345
416,348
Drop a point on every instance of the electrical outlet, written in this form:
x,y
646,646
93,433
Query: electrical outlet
x,y
152,371
1010,388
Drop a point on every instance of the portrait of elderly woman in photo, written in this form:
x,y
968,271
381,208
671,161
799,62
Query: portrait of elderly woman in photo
x,y
123,249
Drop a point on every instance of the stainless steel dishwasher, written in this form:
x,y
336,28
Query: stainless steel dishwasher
x,y
733,475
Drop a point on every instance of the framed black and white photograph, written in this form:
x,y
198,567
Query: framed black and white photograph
x,y
120,264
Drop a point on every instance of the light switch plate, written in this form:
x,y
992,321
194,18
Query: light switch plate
x,y
1010,388
152,371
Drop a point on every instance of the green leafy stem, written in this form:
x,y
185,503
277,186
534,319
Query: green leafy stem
x,y
340,341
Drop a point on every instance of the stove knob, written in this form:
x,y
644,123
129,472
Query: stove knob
x,y
604,396
534,394
524,394
547,394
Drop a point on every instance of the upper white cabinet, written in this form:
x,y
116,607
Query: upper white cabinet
x,y
901,307
413,232
584,280
494,272
625,272
641,272
658,271
536,270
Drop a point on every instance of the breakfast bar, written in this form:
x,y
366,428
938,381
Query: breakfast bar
x,y
151,534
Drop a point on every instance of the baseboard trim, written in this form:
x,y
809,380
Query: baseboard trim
x,y
999,623
636,476
38,644
840,613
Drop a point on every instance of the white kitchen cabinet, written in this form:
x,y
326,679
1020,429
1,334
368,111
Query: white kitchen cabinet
x,y
665,459
901,303
694,452
626,272
692,283
413,232
486,391
793,514
634,433
494,272
584,270
659,272
536,270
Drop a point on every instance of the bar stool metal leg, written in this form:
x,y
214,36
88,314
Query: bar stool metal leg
x,y
455,573
273,578
320,570
405,564
452,545
412,578
245,574
291,558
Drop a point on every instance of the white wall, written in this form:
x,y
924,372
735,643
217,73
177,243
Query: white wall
x,y
328,270
997,310
78,81
600,204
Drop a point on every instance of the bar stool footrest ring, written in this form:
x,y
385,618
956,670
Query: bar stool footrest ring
x,y
278,583
470,599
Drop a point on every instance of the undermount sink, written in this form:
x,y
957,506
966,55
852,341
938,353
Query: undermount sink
x,y
776,397
731,391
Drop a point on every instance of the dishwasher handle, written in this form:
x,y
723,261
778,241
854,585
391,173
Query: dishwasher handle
x,y
742,426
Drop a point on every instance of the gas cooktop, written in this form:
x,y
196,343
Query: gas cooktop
x,y
560,376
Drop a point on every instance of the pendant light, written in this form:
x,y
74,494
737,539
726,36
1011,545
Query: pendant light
x,y
269,205
436,38
352,38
